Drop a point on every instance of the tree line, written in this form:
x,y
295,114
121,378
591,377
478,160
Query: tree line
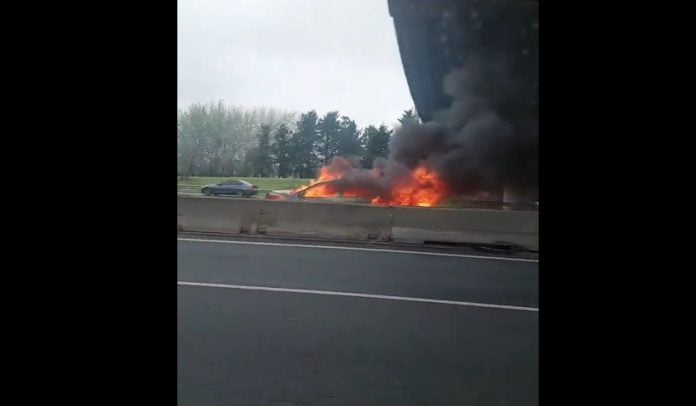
x,y
216,139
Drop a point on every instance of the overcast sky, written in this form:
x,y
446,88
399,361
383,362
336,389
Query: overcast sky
x,y
293,54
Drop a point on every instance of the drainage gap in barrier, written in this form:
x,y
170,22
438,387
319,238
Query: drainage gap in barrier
x,y
497,247
489,247
449,244
503,248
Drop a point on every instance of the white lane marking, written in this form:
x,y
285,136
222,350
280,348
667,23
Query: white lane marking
x,y
361,295
333,247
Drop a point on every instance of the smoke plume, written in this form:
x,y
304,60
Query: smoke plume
x,y
484,141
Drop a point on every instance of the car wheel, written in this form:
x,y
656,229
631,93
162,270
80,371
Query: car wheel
x,y
206,192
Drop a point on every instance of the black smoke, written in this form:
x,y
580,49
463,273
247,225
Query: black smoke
x,y
487,139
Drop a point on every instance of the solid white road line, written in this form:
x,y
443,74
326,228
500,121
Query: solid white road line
x,y
361,295
333,247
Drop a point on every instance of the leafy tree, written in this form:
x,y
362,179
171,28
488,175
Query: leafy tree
x,y
246,166
213,138
190,143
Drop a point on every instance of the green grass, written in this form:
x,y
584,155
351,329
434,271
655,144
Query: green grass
x,y
195,183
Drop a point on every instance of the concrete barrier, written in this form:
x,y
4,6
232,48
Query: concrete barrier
x,y
415,224
357,222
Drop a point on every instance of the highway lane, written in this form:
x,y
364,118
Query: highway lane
x,y
288,347
361,271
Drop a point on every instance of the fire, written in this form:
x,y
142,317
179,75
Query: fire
x,y
321,186
422,187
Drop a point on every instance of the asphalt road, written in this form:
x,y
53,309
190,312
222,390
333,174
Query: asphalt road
x,y
353,327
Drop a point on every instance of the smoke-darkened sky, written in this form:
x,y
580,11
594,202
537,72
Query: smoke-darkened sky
x,y
294,55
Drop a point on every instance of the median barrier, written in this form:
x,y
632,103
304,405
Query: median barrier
x,y
357,222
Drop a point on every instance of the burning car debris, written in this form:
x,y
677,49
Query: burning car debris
x,y
384,184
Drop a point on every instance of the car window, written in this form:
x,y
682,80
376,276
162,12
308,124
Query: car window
x,y
231,182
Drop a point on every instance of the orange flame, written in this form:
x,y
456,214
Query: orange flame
x,y
423,187
326,174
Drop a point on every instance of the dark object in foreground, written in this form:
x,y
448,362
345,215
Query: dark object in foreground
x,y
230,187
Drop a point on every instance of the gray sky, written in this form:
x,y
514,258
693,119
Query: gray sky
x,y
294,55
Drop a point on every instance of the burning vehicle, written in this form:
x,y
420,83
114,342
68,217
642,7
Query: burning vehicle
x,y
382,185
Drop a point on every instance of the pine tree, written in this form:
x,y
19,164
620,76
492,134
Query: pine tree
x,y
263,162
281,152
409,117
304,160
376,144
329,128
348,139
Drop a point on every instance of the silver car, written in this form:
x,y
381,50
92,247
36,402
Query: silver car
x,y
230,187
